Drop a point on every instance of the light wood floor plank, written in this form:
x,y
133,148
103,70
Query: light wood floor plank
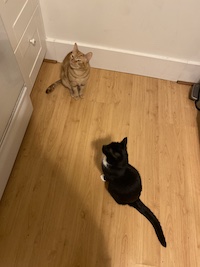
x,y
56,211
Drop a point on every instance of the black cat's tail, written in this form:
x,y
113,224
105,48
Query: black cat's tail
x,y
139,205
52,86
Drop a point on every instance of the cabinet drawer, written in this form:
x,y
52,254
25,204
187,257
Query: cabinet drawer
x,y
31,49
23,18
16,15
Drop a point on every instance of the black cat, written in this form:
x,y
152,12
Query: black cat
x,y
124,182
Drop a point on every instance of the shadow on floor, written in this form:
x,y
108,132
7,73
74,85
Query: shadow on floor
x,y
50,224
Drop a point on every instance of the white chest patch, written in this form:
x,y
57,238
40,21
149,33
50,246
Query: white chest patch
x,y
105,163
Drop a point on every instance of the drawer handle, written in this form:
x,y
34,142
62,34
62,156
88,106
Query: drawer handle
x,y
32,41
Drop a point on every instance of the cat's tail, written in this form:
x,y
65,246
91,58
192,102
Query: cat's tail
x,y
52,86
139,205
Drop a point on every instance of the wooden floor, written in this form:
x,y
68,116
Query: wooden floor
x,y
56,211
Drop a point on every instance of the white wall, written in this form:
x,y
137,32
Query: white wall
x,y
157,38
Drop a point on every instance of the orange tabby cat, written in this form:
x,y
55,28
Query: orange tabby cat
x,y
75,71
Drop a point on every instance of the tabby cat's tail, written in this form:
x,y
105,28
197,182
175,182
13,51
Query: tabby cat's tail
x,y
52,86
139,205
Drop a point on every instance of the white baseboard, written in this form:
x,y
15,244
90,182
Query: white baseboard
x,y
130,62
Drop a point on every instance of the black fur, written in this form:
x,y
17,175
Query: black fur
x,y
124,182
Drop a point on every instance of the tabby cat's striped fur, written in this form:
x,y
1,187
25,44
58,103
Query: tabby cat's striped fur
x,y
75,71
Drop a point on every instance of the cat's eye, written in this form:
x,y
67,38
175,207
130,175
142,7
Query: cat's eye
x,y
115,154
110,150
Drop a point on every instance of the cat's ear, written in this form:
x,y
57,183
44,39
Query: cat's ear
x,y
75,49
88,56
124,142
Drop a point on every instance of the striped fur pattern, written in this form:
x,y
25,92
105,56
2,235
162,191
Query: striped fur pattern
x,y
75,72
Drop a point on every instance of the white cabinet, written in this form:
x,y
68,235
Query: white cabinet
x,y
22,39
24,26
15,107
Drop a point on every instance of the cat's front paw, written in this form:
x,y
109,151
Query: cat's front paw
x,y
81,96
103,178
75,97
